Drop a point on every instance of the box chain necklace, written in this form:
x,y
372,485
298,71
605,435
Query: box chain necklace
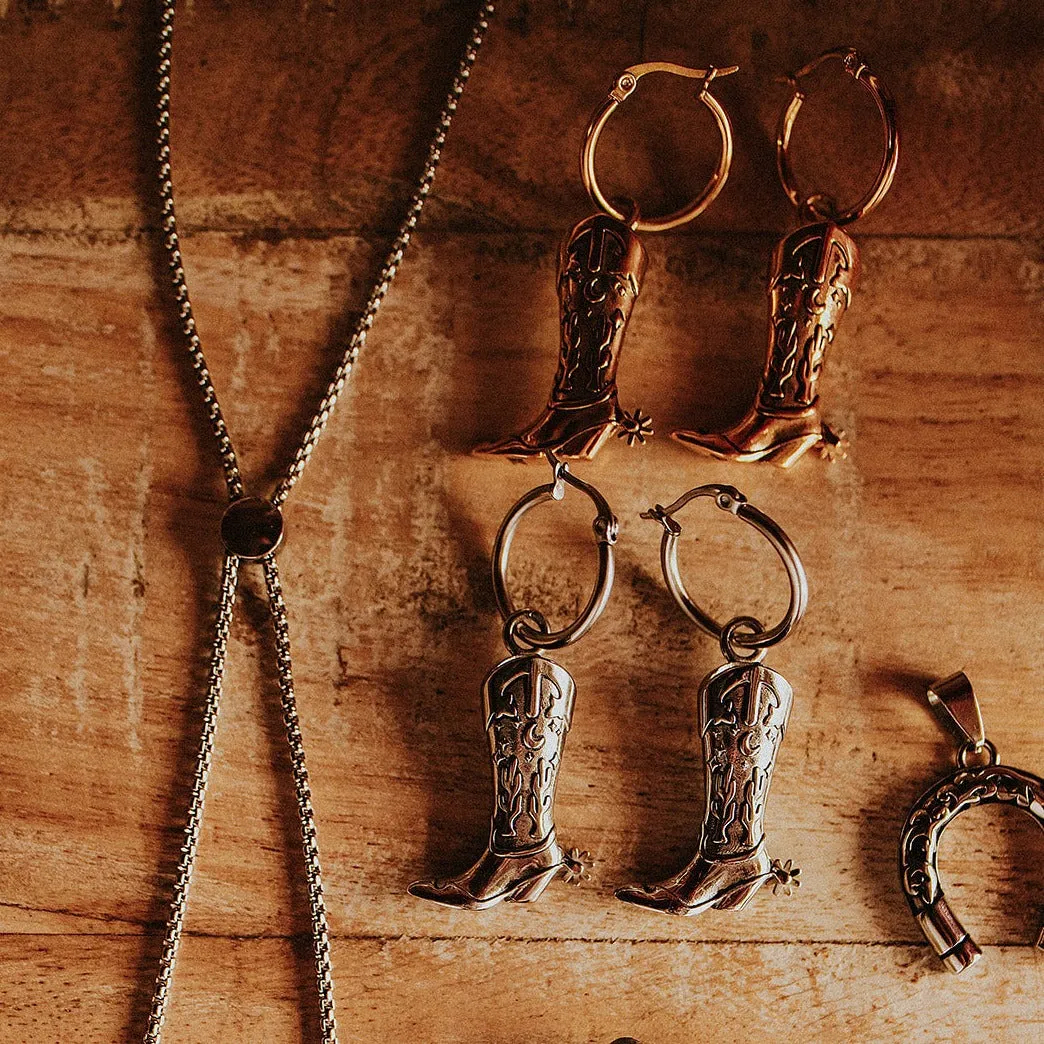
x,y
252,529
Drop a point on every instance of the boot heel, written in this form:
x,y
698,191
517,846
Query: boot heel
x,y
530,891
585,445
788,453
736,898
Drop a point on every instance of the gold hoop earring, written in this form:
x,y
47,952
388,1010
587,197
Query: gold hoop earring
x,y
811,278
601,265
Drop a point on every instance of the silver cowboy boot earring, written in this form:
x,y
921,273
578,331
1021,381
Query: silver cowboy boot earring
x,y
743,712
528,704
811,277
980,779
601,264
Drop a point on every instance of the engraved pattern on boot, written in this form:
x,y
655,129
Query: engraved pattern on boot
x,y
528,702
811,277
743,711
600,269
810,289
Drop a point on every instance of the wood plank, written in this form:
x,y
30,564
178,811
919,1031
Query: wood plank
x,y
111,565
326,107
297,130
460,991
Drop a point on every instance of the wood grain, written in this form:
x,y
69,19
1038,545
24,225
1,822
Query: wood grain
x,y
328,106
924,549
671,992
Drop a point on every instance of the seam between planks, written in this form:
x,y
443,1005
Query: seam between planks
x,y
1006,944
278,233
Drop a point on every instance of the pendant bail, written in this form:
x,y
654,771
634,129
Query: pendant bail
x,y
954,701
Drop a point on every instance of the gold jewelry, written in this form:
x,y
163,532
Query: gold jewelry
x,y
601,265
811,277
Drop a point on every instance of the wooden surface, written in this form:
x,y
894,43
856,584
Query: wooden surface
x,y
297,131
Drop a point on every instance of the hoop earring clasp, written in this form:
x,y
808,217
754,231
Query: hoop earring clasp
x,y
625,84
519,629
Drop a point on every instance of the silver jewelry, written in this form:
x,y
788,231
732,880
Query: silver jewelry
x,y
252,528
743,712
979,779
528,703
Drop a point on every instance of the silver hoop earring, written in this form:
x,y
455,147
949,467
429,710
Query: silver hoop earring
x,y
528,702
743,712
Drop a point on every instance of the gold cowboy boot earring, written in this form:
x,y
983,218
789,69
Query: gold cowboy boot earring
x,y
601,264
811,276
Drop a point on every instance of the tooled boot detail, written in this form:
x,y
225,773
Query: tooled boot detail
x,y
528,701
600,269
810,286
744,710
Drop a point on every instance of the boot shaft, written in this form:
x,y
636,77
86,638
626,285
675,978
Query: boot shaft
x,y
811,278
528,703
601,264
744,709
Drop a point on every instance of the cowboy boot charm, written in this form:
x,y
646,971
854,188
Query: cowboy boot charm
x,y
810,287
528,702
743,712
601,265
811,278
983,783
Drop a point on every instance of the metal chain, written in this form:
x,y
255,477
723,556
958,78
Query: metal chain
x,y
392,261
183,874
234,484
309,837
229,462
233,479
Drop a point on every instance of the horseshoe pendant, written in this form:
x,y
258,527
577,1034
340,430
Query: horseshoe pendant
x,y
971,784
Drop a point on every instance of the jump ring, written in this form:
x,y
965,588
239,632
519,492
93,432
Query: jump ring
x,y
625,85
729,640
605,529
730,499
813,202
518,643
972,748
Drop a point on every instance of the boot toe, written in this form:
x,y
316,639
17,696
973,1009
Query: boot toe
x,y
511,446
652,898
443,892
711,442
